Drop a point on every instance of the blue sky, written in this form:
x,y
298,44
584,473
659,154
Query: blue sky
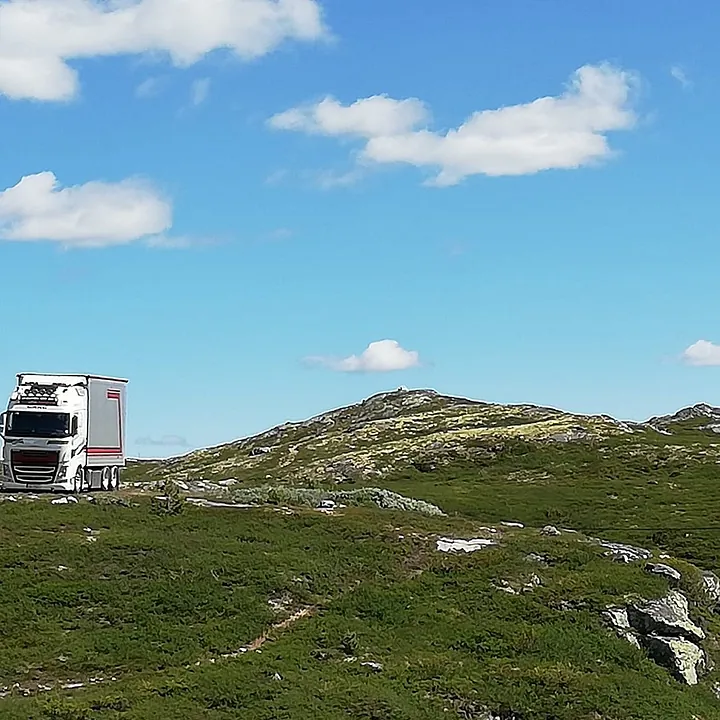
x,y
245,199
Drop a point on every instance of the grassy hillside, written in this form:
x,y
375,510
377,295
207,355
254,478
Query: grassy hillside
x,y
113,610
143,615
488,462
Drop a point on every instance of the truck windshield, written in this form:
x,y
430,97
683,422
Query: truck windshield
x,y
37,424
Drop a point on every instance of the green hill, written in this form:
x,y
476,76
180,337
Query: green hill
x,y
411,556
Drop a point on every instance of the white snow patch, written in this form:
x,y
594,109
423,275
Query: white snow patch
x,y
64,500
468,546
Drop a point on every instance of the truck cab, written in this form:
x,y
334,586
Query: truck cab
x,y
63,433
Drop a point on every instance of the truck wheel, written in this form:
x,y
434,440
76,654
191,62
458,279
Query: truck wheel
x,y
79,481
115,478
105,479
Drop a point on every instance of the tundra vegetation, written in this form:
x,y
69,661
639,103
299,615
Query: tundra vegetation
x,y
411,556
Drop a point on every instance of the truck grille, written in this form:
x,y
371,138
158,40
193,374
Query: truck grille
x,y
34,466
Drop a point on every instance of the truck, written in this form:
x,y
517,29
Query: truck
x,y
63,433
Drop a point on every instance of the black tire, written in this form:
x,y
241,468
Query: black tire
x,y
79,481
106,479
115,478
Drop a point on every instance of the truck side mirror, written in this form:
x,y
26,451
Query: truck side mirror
x,y
74,427
2,424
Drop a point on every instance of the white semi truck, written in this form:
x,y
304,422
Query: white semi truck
x,y
63,433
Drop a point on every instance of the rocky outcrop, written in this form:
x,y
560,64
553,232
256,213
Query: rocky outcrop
x,y
667,616
711,587
663,628
683,658
695,412
617,617
623,553
670,573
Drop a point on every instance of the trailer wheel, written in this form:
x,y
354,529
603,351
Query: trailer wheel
x,y
115,478
105,480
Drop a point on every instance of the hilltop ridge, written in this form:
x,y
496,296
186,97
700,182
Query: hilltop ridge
x,y
391,431
700,416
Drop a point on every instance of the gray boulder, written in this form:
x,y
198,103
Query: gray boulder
x,y
663,628
684,659
550,530
667,617
665,570
260,451
624,553
711,586
617,617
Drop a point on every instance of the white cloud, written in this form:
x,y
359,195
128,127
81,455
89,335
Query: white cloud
x,y
380,356
199,91
702,352
375,116
681,76
328,179
91,215
148,87
39,36
164,441
564,132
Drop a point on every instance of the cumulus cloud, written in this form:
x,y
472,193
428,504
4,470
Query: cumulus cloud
x,y
375,116
39,37
703,352
563,132
91,215
380,356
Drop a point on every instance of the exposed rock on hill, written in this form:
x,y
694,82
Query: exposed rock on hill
x,y
700,417
405,428
664,629
418,429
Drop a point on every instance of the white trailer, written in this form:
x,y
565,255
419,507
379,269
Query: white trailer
x,y
63,433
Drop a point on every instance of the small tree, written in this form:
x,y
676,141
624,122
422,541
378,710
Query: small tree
x,y
171,502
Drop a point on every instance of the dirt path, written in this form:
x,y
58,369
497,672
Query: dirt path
x,y
35,688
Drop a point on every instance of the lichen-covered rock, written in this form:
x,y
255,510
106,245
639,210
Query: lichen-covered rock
x,y
617,617
664,570
533,582
378,497
624,553
666,617
711,586
663,628
684,659
516,587
550,530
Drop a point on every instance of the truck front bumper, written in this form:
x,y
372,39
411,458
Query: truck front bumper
x,y
9,485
